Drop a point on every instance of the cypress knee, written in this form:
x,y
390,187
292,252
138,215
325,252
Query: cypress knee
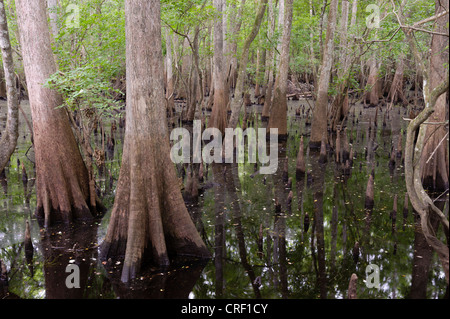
x,y
352,287
323,150
405,210
306,223
393,214
300,167
369,202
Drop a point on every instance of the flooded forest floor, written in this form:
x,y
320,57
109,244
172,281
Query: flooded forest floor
x,y
265,241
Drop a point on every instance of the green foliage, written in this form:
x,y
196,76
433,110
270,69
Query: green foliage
x,y
90,50
85,88
96,35
185,15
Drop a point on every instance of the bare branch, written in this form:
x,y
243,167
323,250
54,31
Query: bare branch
x,y
435,17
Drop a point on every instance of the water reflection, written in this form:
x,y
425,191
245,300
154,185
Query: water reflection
x,y
176,282
271,236
68,245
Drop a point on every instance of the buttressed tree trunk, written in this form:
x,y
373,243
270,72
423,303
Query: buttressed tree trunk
x,y
62,181
8,140
319,120
278,112
149,219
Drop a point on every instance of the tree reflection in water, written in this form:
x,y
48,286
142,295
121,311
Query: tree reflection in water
x,y
265,243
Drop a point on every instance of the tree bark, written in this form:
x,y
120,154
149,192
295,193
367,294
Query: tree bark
x,y
434,160
62,181
340,105
8,140
415,144
218,117
236,22
396,91
269,65
53,15
319,120
169,76
373,83
149,218
280,27
352,287
278,112
238,100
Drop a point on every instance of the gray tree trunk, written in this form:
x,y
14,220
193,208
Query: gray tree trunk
x,y
149,218
218,117
278,112
236,103
9,137
319,120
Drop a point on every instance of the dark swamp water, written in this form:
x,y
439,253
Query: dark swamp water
x,y
309,249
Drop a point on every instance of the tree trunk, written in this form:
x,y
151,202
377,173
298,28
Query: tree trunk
x,y
434,161
169,89
8,140
239,91
218,117
280,27
278,112
269,65
53,15
416,143
373,83
396,91
149,215
62,181
319,120
340,105
259,53
236,22
196,80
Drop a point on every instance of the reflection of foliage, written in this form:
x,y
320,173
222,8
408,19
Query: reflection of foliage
x,y
256,203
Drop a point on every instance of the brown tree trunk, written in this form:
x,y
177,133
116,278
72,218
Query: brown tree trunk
x,y
218,117
236,103
396,91
415,144
8,140
149,215
373,83
278,112
434,160
269,65
235,26
62,181
340,106
53,15
352,287
170,98
319,120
